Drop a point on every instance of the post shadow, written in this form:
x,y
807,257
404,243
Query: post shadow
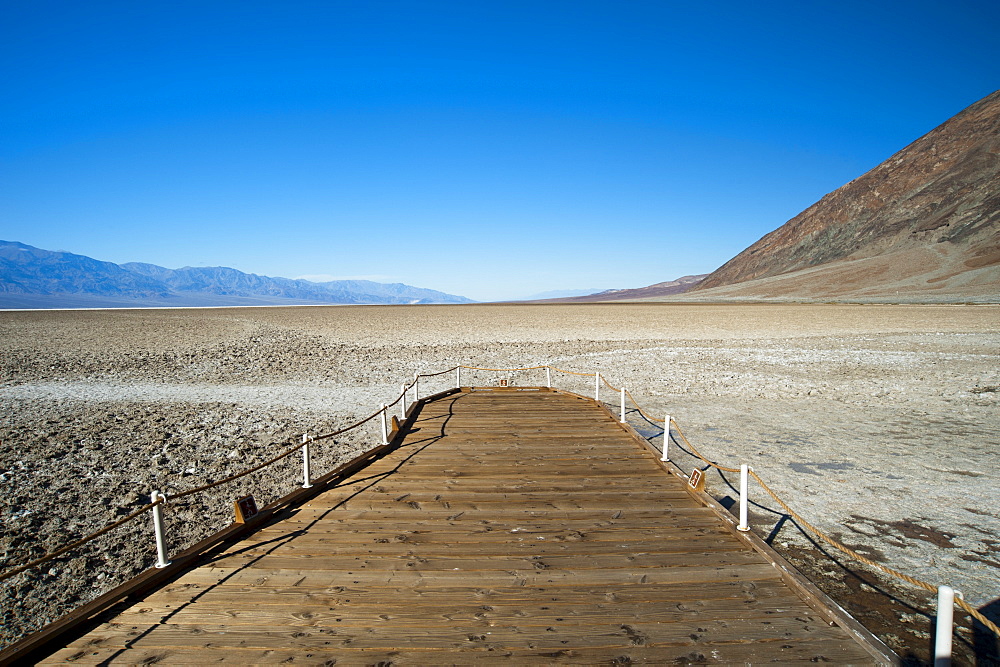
x,y
986,644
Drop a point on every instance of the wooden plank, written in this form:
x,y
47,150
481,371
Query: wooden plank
x,y
467,522
571,495
802,651
321,580
627,540
413,515
450,636
647,495
343,564
584,487
486,503
305,546
679,596
416,614
393,546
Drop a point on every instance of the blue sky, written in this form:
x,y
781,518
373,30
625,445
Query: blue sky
x,y
489,149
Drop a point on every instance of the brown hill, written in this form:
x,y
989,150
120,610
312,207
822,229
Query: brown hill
x,y
668,288
924,224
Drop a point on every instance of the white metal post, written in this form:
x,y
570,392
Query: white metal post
x,y
664,452
597,386
306,476
744,511
945,621
385,426
402,390
548,377
161,543
623,405
416,387
458,377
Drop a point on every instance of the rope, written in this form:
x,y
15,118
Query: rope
x,y
55,554
430,375
226,480
978,616
826,538
834,543
639,408
287,452
837,545
351,427
389,405
609,385
867,561
408,387
560,370
697,453
69,547
505,370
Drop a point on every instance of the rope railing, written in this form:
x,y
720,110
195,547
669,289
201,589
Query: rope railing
x,y
976,614
232,478
837,545
398,399
504,370
353,426
745,472
175,496
431,375
687,443
79,543
855,555
641,411
561,370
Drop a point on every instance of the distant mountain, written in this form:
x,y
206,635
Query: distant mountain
x,y
668,288
35,278
561,294
924,225
28,270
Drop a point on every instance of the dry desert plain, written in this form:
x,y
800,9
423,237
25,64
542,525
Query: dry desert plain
x,y
878,423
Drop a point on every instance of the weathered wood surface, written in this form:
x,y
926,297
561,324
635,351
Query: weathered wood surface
x,y
522,526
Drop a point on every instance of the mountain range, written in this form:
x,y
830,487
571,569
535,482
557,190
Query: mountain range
x,y
35,278
923,226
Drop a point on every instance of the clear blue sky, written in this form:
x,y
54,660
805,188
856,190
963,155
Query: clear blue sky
x,y
489,149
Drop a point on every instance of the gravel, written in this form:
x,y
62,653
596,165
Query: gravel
x,y
877,423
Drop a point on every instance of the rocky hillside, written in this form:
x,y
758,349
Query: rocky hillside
x,y
924,222
35,278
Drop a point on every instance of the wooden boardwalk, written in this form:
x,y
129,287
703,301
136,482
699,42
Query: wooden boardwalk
x,y
523,525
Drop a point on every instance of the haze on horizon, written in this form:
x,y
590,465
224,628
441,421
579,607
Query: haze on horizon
x,y
489,150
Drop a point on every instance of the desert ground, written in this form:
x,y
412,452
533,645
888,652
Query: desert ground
x,y
878,423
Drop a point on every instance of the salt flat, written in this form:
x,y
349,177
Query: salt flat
x,y
878,423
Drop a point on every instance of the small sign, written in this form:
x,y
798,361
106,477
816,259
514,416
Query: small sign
x,y
503,383
246,509
697,480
